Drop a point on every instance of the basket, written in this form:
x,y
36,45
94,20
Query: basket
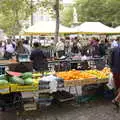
x,y
88,81
79,82
24,88
30,106
68,83
4,89
102,80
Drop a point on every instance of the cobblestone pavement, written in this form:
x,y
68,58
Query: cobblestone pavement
x,y
99,110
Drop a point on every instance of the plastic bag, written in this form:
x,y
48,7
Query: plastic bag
x,y
111,84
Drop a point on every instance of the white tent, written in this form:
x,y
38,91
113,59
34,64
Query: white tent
x,y
47,27
94,27
117,29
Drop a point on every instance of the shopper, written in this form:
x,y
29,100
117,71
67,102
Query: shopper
x,y
115,68
1,50
114,43
60,48
74,50
27,45
38,58
102,48
95,48
67,45
20,49
9,49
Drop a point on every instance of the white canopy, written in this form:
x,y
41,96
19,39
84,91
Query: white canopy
x,y
47,27
94,27
117,29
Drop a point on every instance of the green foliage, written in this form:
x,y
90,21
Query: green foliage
x,y
106,11
67,16
50,6
12,13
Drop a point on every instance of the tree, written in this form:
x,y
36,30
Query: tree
x,y
57,21
106,11
13,12
53,7
66,16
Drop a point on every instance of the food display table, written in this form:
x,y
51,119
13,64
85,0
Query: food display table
x,y
73,83
70,61
7,62
71,78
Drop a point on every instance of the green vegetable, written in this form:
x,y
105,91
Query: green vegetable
x,y
28,81
27,75
2,77
17,80
3,82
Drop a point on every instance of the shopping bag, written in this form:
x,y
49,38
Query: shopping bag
x,y
111,84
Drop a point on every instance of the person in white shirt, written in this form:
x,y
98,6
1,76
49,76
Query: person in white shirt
x,y
60,47
9,49
114,44
27,45
35,40
2,50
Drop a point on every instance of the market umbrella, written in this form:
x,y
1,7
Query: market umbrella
x,y
47,27
94,28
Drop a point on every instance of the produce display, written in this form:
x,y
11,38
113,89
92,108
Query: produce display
x,y
62,96
31,81
78,78
27,75
24,79
75,75
80,75
100,74
37,75
106,70
15,81
3,80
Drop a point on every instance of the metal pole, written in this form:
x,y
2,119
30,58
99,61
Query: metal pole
x,y
31,12
31,5
57,21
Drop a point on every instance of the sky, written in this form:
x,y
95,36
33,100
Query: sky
x,y
67,1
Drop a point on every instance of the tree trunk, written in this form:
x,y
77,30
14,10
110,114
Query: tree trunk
x,y
31,5
57,21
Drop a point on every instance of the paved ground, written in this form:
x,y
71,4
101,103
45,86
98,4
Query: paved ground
x,y
99,110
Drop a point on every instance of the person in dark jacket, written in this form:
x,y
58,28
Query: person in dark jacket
x,y
74,50
115,68
102,49
38,58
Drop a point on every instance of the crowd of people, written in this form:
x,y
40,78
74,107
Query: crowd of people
x,y
13,48
65,46
94,47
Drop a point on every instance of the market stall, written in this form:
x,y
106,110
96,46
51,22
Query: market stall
x,y
44,87
94,28
66,62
